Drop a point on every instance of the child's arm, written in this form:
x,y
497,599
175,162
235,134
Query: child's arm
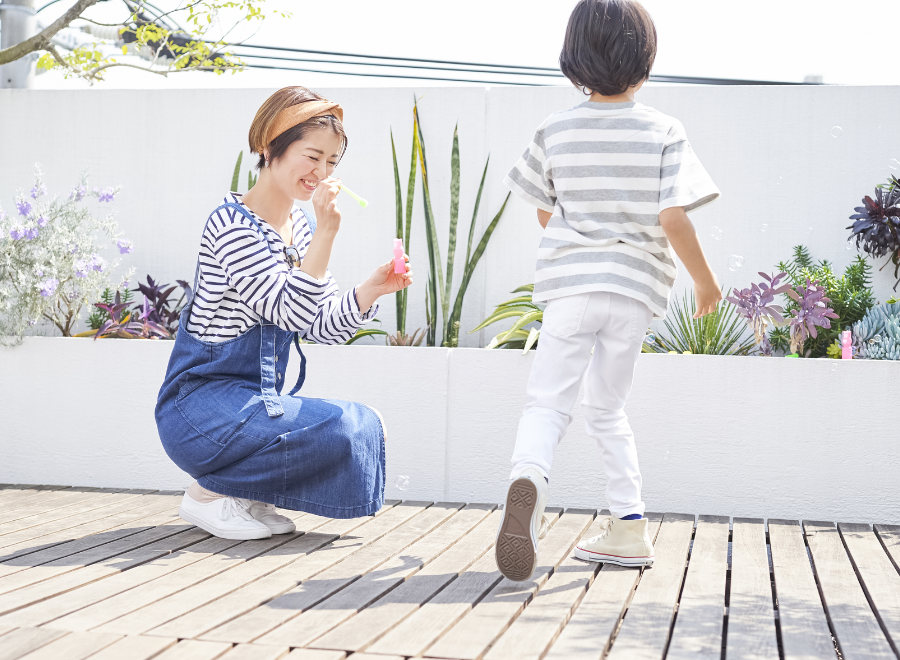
x,y
543,217
683,238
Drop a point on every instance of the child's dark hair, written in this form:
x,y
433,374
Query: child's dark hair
x,y
610,46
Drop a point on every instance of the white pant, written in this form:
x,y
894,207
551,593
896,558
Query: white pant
x,y
614,326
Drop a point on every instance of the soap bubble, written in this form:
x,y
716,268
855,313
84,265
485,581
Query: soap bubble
x,y
779,181
735,261
402,482
763,227
649,339
836,131
894,164
809,231
875,340
849,245
716,233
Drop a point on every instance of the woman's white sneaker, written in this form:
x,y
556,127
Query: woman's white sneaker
x,y
227,518
622,542
523,524
268,516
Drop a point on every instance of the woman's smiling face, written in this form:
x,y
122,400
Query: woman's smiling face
x,y
306,162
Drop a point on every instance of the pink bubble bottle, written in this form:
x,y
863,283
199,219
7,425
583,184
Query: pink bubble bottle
x,y
399,260
846,345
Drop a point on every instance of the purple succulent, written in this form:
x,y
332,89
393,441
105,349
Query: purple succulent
x,y
23,207
38,190
42,221
17,232
31,233
48,287
125,246
108,195
813,312
756,306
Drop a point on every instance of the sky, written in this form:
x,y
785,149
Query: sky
x,y
781,40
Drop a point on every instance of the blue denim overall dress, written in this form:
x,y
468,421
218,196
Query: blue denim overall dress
x,y
223,420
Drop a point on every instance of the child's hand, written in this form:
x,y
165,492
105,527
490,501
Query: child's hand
x,y
707,295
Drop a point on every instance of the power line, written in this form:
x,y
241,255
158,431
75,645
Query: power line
x,y
392,75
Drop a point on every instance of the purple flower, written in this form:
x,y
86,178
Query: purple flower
x,y
38,190
78,193
81,268
125,246
97,263
17,232
38,272
48,287
2,214
31,233
107,195
42,220
23,207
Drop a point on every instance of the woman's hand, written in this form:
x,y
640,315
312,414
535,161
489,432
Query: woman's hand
x,y
383,281
328,215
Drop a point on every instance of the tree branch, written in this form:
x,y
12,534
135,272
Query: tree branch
x,y
41,39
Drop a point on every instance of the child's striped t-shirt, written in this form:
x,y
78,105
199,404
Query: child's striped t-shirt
x,y
244,277
605,171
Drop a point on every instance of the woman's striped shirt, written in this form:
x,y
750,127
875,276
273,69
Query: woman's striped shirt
x,y
244,278
605,171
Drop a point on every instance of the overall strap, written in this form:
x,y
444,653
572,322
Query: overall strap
x,y
302,377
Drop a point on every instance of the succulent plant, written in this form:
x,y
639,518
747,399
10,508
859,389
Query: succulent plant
x,y
756,306
812,312
876,226
877,335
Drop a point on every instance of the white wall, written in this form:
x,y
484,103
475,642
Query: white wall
x,y
778,438
769,149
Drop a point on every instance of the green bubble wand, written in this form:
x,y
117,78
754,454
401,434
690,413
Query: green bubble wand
x,y
359,199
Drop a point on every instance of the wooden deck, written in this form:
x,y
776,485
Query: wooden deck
x,y
112,574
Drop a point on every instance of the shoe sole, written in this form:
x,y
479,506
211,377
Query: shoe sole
x,y
517,552
600,558
283,528
248,535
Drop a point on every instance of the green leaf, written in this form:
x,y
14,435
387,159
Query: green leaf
x,y
364,333
237,173
451,243
499,315
436,282
532,338
398,296
524,287
531,317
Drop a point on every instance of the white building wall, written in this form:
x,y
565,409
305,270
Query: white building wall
x,y
769,149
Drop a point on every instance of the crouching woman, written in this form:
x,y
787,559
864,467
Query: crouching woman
x,y
262,282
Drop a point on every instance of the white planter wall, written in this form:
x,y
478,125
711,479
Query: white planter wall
x,y
780,438
769,149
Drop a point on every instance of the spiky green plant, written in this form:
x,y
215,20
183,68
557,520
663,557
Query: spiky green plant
x,y
850,297
237,173
526,312
403,231
721,333
438,287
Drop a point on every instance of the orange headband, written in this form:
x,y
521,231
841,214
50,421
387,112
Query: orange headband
x,y
297,114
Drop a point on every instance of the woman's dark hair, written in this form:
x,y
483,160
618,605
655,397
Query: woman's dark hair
x,y
610,46
265,117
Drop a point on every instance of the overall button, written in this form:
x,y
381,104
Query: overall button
x,y
276,358
277,376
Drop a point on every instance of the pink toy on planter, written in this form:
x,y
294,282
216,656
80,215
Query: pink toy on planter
x,y
846,345
399,259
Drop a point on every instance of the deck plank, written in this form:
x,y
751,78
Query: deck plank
x,y
153,591
22,641
360,631
751,613
254,625
53,505
645,628
878,576
316,654
135,648
417,632
184,537
60,605
479,628
589,632
52,569
75,646
334,610
804,628
889,535
32,500
334,543
256,652
548,612
701,609
858,632
9,496
192,598
191,649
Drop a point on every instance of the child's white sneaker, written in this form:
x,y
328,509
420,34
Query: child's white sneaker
x,y
268,516
622,542
522,526
226,517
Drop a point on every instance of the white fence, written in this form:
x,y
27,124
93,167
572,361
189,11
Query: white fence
x,y
770,150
